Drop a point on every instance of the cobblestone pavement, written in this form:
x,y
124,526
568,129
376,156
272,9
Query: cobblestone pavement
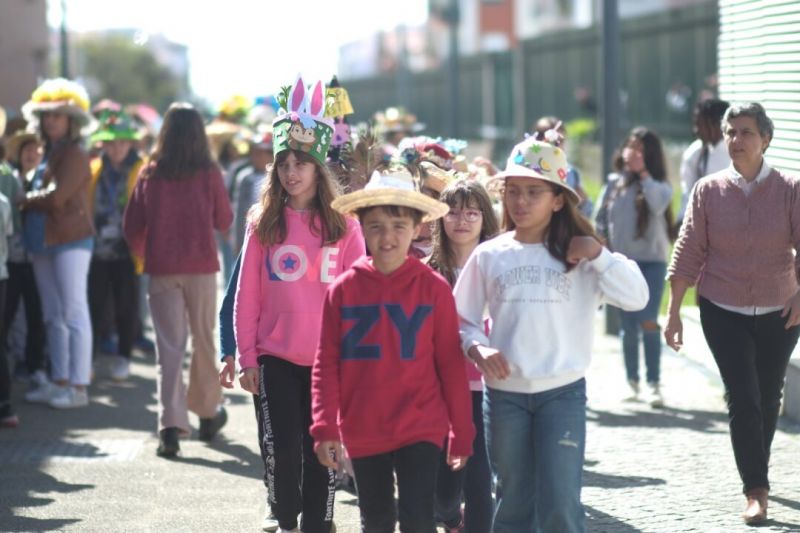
x,y
666,470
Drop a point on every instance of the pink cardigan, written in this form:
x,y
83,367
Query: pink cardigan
x,y
738,248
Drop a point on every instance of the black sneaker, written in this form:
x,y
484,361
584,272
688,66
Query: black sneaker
x,y
211,426
8,419
168,445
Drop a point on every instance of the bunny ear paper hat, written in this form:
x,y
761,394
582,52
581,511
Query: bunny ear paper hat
x,y
302,125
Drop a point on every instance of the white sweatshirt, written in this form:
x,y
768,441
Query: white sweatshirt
x,y
542,316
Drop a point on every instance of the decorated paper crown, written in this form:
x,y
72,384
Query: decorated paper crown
x,y
115,126
436,159
392,186
338,107
302,125
539,160
59,94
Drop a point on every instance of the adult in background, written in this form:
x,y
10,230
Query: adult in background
x,y
708,153
738,244
113,269
636,205
58,233
177,204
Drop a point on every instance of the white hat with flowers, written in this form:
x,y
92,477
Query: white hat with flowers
x,y
539,160
62,95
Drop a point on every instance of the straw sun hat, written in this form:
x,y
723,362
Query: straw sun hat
x,y
395,186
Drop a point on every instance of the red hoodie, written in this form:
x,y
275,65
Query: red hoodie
x,y
389,371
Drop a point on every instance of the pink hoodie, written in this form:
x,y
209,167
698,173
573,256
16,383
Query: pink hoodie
x,y
278,308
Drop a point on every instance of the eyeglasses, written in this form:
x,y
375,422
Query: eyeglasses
x,y
470,215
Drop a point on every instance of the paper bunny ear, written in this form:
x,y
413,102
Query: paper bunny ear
x,y
317,104
297,97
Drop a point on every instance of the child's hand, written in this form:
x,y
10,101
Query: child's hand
x,y
583,247
329,452
226,372
456,462
492,363
248,379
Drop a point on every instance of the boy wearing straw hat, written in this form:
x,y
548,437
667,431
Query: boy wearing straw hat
x,y
389,381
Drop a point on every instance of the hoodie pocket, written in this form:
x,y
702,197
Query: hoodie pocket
x,y
295,334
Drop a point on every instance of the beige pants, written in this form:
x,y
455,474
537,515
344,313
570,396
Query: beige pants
x,y
180,304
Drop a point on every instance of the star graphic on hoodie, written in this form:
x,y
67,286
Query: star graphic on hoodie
x,y
289,263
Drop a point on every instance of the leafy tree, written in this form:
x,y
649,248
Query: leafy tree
x,y
114,67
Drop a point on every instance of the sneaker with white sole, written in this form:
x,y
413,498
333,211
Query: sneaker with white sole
x,y
654,397
270,523
120,368
70,398
39,377
43,393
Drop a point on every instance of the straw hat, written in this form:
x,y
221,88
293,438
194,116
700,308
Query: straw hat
x,y
59,94
395,186
15,143
539,160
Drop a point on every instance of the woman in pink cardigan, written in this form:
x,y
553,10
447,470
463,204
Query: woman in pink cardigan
x,y
736,244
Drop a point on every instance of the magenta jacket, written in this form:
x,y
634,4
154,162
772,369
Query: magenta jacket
x,y
171,222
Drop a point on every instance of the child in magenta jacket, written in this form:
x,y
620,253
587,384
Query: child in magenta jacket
x,y
389,381
296,245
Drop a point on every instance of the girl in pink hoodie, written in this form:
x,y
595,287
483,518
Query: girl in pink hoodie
x,y
295,246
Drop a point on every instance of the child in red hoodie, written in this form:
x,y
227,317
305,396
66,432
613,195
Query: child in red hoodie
x,y
389,381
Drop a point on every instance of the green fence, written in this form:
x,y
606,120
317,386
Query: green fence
x,y
501,94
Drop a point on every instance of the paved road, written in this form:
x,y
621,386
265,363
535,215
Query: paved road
x,y
648,470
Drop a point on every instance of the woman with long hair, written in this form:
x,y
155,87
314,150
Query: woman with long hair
x,y
177,204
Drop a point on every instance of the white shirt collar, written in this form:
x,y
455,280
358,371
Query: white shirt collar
x,y
762,174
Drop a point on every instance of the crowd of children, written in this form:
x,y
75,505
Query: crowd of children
x,y
417,321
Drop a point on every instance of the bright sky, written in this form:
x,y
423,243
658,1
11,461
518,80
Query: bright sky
x,y
251,47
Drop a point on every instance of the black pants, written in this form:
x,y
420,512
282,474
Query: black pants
x,y
296,481
752,353
5,371
262,445
115,278
473,482
22,285
415,466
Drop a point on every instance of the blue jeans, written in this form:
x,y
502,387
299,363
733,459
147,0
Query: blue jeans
x,y
536,444
630,326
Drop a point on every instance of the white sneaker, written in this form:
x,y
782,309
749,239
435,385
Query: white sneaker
x,y
654,397
120,368
634,386
38,378
70,398
270,523
43,393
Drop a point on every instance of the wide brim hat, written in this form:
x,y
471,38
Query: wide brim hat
x,y
115,125
538,160
394,186
62,95
15,143
220,132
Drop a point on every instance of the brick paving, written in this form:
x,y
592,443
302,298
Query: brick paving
x,y
666,470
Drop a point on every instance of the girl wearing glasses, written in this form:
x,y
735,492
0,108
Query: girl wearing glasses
x,y
471,221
